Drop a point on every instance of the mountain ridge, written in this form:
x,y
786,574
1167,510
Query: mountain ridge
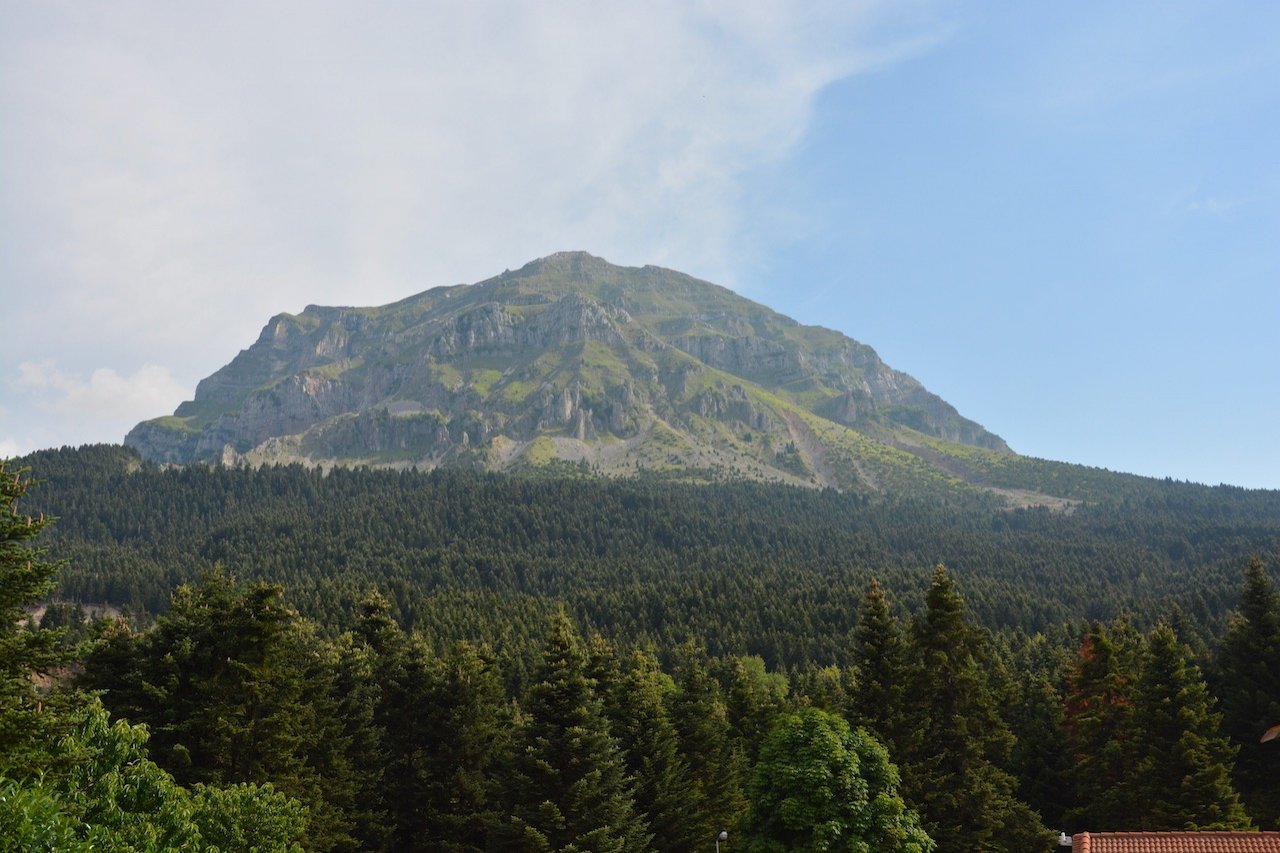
x,y
573,358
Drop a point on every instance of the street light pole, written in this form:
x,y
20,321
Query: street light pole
x,y
723,836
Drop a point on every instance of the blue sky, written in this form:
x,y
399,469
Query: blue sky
x,y
1062,218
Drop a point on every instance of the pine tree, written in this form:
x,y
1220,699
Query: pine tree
x,y
1100,733
665,794
604,671
357,687
407,677
1039,760
470,724
235,687
1249,676
957,740
879,670
753,701
29,719
701,719
1181,778
568,789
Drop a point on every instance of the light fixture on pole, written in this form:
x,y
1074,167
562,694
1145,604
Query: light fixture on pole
x,y
723,836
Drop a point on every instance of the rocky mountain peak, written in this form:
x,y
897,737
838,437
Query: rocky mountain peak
x,y
569,357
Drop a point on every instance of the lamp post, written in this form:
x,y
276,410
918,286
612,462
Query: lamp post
x,y
723,836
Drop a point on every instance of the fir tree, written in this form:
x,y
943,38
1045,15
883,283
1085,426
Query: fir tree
x,y
1249,674
957,741
1039,759
568,788
357,689
701,719
29,718
754,700
236,688
1182,776
879,669
665,794
470,724
408,677
1100,733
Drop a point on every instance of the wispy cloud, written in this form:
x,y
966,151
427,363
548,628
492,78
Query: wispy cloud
x,y
1212,206
103,396
176,173
47,405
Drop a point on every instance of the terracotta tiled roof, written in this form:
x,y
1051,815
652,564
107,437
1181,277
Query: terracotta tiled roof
x,y
1175,842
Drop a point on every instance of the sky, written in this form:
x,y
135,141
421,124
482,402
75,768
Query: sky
x,y
1064,219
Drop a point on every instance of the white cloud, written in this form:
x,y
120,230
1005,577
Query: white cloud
x,y
1212,206
68,408
176,173
104,394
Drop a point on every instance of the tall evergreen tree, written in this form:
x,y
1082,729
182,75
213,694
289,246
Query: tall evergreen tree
x,y
665,794
28,717
701,718
1181,778
1249,679
958,742
407,683
236,688
1039,759
357,689
753,701
1100,733
568,789
470,724
879,670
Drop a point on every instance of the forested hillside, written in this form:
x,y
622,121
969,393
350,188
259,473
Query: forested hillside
x,y
268,730
747,568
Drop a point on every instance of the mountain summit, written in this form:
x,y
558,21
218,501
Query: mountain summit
x,y
569,358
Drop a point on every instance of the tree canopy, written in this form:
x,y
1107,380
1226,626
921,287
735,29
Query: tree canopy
x,y
820,786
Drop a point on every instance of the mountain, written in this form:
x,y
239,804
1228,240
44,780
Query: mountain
x,y
572,358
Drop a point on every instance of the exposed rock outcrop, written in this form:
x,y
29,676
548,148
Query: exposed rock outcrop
x,y
629,366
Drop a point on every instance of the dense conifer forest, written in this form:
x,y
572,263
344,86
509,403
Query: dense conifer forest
x,y
371,660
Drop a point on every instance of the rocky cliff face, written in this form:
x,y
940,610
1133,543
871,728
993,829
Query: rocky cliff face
x,y
572,358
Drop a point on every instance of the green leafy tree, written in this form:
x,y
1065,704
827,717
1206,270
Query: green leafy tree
x,y
821,786
248,817
1181,778
958,742
112,797
1249,676
568,789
